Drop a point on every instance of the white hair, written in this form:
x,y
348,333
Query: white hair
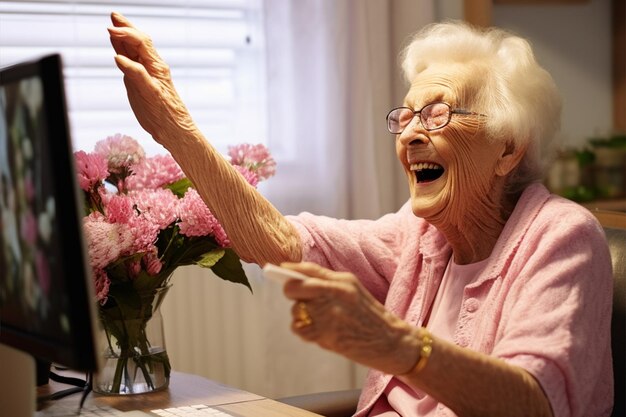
x,y
519,97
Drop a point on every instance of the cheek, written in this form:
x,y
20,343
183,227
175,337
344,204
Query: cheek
x,y
471,159
399,148
401,153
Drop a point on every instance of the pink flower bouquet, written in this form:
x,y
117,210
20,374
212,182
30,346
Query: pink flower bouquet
x,y
143,220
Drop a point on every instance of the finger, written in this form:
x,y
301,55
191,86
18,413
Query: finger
x,y
309,333
302,323
138,46
315,270
301,318
309,268
299,310
323,282
120,20
308,289
131,37
133,70
121,44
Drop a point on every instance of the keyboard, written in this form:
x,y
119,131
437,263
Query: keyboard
x,y
197,410
191,411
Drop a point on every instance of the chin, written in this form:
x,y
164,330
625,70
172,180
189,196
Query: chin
x,y
424,208
428,200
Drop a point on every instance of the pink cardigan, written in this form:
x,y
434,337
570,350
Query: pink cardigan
x,y
543,302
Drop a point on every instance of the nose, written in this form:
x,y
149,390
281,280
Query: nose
x,y
414,133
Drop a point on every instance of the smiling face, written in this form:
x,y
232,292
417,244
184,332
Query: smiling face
x,y
455,173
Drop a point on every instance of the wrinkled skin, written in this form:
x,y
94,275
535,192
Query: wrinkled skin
x,y
148,82
465,202
258,232
348,320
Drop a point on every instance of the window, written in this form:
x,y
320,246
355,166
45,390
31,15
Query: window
x,y
215,50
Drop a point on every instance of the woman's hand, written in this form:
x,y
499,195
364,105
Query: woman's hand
x,y
347,319
151,93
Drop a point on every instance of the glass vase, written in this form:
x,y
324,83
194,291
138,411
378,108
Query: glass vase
x,y
132,343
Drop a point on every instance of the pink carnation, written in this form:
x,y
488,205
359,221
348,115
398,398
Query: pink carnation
x,y
134,268
91,169
132,209
256,158
105,241
144,232
220,234
197,220
119,209
159,206
250,176
121,152
102,284
153,263
154,172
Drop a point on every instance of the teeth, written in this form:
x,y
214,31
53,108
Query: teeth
x,y
424,165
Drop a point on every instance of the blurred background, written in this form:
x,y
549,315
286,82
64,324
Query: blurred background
x,y
313,80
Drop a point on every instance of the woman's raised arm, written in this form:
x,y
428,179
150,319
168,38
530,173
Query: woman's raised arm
x,y
257,230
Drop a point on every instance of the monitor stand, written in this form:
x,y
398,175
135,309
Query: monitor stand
x,y
17,383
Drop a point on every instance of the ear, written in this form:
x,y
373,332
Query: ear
x,y
510,158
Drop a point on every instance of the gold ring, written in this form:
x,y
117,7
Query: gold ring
x,y
303,318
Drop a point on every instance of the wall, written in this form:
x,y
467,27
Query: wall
x,y
573,42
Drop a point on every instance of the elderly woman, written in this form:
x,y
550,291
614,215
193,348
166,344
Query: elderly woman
x,y
484,294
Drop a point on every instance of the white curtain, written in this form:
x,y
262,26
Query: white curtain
x,y
213,49
332,76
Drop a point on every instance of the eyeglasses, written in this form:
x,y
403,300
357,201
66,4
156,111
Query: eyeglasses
x,y
432,116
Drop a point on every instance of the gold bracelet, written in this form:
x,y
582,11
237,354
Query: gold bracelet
x,y
424,353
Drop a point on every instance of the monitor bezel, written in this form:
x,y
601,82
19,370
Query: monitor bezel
x,y
81,353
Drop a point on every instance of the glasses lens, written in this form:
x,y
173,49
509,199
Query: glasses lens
x,y
435,116
398,119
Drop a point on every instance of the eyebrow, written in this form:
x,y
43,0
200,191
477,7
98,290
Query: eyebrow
x,y
430,98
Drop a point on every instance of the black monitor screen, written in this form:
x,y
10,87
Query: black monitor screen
x,y
45,287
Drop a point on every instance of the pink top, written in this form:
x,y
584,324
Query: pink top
x,y
400,400
542,301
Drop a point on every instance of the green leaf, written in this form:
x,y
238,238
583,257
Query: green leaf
x,y
127,301
211,258
117,270
147,282
191,250
166,238
229,268
180,187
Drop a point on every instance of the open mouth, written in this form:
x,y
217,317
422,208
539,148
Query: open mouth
x,y
426,171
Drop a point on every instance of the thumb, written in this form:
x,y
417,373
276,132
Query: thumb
x,y
133,70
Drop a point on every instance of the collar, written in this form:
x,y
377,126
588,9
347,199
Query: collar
x,y
524,214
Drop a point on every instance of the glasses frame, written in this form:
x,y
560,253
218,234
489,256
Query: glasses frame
x,y
451,111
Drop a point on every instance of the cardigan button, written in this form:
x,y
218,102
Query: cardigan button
x,y
471,305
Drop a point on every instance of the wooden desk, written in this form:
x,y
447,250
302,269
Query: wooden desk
x,y
184,389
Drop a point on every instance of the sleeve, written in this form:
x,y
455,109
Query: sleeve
x,y
370,249
556,320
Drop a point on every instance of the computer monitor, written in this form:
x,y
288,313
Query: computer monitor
x,y
47,308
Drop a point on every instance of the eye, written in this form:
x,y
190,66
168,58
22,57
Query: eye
x,y
435,115
405,116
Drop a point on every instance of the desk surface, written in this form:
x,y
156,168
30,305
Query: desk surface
x,y
184,389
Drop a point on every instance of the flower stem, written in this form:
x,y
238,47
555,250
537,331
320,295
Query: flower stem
x,y
122,361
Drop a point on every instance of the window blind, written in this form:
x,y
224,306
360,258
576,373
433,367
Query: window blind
x,y
215,50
